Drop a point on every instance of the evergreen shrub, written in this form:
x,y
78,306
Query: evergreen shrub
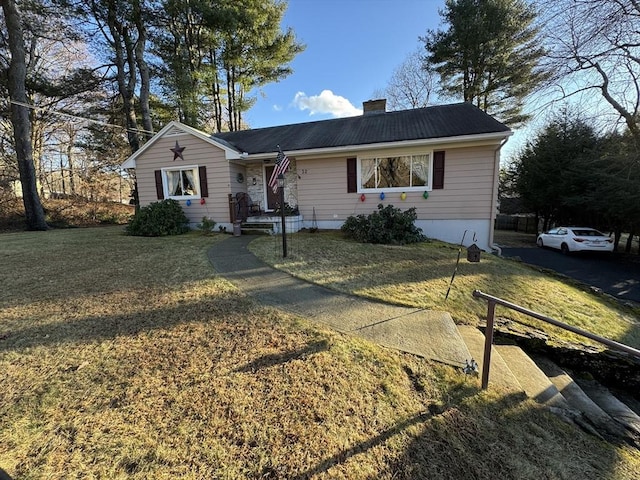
x,y
389,225
159,219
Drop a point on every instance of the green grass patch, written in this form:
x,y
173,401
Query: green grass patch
x,y
128,358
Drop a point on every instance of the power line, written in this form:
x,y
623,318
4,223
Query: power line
x,y
77,117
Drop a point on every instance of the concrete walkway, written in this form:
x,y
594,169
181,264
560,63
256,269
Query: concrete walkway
x,y
426,333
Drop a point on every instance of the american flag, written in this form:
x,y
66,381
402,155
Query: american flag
x,y
282,164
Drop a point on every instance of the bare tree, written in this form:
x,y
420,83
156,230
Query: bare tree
x,y
412,84
595,45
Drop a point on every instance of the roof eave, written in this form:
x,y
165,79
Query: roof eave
x,y
489,138
230,153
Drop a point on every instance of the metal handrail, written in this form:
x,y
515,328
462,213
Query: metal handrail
x,y
488,340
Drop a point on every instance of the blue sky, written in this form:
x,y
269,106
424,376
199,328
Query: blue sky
x,y
352,49
353,46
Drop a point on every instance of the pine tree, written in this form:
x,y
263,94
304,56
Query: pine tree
x,y
489,55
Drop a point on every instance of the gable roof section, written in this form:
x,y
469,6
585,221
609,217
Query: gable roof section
x,y
176,128
442,121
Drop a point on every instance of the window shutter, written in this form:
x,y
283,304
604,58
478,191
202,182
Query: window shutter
x,y
159,189
352,175
204,188
438,170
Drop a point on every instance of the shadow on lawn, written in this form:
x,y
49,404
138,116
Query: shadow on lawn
x,y
498,440
267,361
107,327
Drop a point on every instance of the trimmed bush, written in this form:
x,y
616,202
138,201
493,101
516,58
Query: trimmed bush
x,y
159,219
389,225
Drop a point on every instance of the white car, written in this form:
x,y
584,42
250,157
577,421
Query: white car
x,y
576,239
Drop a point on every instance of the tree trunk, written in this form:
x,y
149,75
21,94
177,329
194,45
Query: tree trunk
x,y
143,68
124,58
627,248
231,90
70,160
617,233
20,118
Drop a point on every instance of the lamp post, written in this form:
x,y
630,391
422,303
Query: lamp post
x,y
284,232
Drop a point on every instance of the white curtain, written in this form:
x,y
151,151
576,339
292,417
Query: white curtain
x,y
173,183
420,165
367,169
189,184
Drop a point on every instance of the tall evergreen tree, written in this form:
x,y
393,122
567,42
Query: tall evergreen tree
x,y
555,175
215,54
489,55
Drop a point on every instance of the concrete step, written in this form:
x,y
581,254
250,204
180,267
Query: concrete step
x,y
256,228
500,375
580,401
593,408
533,380
615,408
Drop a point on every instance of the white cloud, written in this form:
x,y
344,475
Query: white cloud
x,y
277,108
326,102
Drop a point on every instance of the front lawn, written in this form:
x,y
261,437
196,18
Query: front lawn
x,y
128,358
419,275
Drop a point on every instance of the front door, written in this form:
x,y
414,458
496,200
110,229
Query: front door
x,y
272,198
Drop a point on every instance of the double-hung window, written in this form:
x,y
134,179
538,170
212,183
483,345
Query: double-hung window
x,y
401,172
181,183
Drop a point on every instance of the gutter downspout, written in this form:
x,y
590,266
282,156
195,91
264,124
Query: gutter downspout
x,y
494,194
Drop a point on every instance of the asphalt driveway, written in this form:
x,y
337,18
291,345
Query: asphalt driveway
x,y
611,274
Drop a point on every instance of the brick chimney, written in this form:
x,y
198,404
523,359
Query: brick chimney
x,y
374,106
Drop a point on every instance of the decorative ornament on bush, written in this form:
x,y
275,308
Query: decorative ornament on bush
x,y
425,195
381,195
363,197
202,201
403,196
188,203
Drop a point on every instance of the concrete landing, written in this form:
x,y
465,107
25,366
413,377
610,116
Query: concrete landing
x,y
430,334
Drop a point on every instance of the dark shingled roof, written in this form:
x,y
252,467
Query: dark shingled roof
x,y
439,121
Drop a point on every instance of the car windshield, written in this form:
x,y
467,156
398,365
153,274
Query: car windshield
x,y
588,233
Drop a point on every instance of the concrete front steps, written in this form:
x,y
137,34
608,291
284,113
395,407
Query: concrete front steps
x,y
589,405
257,228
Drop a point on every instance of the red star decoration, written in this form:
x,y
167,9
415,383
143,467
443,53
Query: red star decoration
x,y
177,151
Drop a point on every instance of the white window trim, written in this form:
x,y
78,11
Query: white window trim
x,y
165,182
427,187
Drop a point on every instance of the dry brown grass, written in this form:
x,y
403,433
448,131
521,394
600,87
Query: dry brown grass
x,y
126,357
419,275
68,213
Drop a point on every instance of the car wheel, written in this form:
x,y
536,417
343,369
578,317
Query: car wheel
x,y
564,248
540,243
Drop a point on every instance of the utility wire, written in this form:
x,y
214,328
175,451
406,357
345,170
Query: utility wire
x,y
76,117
